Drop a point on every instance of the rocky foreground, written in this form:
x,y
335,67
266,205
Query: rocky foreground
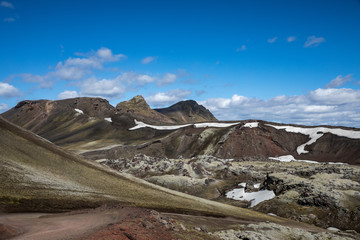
x,y
124,223
323,194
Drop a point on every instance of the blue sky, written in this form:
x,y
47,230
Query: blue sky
x,y
285,61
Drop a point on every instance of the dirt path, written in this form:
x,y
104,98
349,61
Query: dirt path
x,y
121,223
57,226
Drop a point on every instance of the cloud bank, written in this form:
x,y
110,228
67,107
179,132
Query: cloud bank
x,y
322,106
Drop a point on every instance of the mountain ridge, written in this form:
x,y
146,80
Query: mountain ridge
x,y
94,128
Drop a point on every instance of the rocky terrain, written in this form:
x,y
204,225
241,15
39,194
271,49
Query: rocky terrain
x,y
281,180
323,194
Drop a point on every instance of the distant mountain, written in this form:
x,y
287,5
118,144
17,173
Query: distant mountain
x,y
94,128
187,112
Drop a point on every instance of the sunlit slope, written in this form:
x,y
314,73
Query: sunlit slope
x,y
36,175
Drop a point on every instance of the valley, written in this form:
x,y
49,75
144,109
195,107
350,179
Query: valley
x,y
271,179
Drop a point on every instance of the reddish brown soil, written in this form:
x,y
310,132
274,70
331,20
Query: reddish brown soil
x,y
121,223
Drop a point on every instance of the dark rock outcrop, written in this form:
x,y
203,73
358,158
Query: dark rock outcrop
x,y
187,111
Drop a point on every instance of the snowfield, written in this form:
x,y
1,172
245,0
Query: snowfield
x,y
316,133
290,158
79,111
143,125
140,124
253,197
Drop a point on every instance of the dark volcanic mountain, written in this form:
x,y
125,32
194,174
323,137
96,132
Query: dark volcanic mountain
x,y
187,111
94,128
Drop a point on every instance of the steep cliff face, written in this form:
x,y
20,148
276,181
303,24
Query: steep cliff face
x,y
187,112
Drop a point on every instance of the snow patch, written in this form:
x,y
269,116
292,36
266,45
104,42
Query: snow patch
x,y
79,111
143,125
286,158
257,185
252,125
272,214
108,119
316,133
290,158
140,124
333,229
242,184
253,197
218,125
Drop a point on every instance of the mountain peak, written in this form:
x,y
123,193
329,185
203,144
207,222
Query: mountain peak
x,y
187,111
137,103
138,109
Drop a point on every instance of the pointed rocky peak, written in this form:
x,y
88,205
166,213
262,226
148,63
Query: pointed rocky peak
x,y
187,111
137,103
137,108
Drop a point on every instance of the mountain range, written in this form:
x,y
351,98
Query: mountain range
x,y
84,153
97,130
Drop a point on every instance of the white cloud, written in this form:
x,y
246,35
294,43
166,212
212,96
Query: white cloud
x,y
291,39
74,68
105,88
6,4
148,60
339,81
162,99
8,91
166,78
136,79
242,48
335,96
105,54
68,94
321,106
9,19
3,107
272,40
43,81
313,41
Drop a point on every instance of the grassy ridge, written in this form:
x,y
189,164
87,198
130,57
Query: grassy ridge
x,y
35,171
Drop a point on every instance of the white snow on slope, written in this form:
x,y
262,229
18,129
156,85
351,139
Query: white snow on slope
x,y
254,197
252,125
108,119
217,125
142,125
174,127
316,133
79,111
289,158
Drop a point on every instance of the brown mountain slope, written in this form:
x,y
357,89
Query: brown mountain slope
x,y
187,112
137,108
37,175
89,133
